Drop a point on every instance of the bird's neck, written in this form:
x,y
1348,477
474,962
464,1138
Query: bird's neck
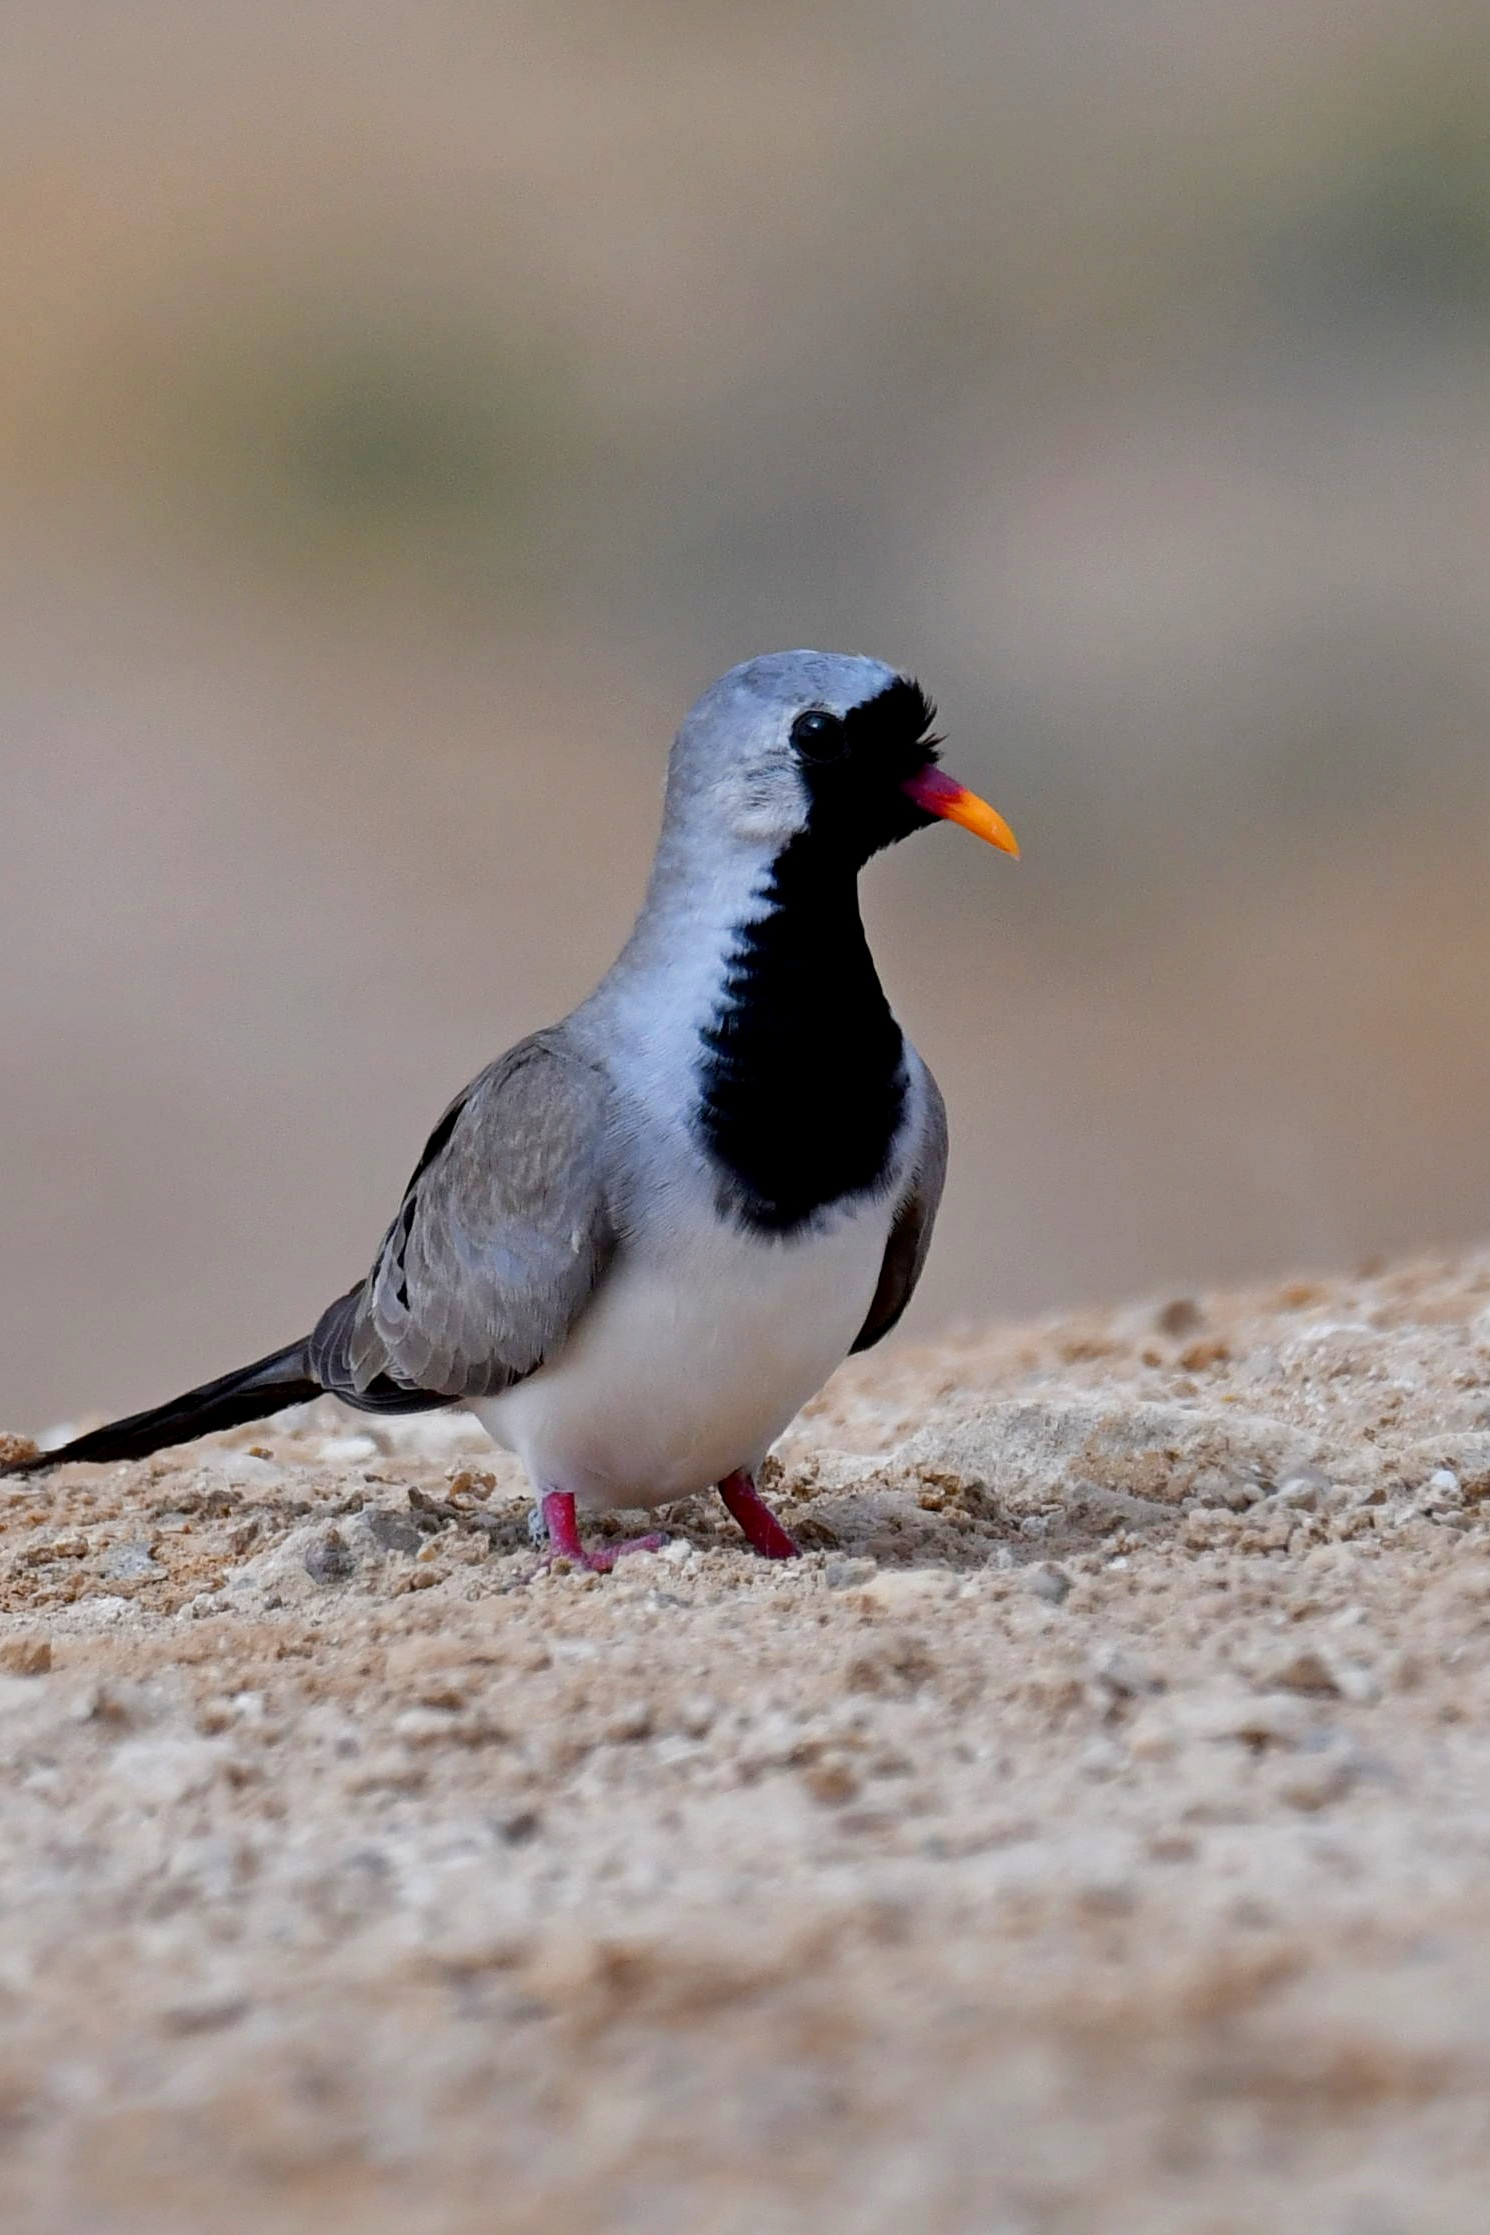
x,y
800,1067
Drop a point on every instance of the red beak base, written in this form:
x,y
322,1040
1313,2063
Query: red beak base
x,y
939,794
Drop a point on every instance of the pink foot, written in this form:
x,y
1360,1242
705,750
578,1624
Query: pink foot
x,y
763,1532
566,1543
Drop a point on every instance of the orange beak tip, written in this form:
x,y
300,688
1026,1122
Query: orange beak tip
x,y
942,795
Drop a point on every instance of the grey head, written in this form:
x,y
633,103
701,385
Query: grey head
x,y
801,744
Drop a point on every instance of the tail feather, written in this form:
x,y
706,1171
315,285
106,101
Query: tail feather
x,y
250,1393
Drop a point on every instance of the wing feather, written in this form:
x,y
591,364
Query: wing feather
x,y
502,1235
910,1234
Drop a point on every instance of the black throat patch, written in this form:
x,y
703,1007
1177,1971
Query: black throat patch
x,y
802,1075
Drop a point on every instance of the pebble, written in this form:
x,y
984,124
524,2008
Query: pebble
x,y
1051,1583
128,1563
847,1575
392,1531
1306,1670
1312,1672
1304,1493
1314,1780
423,1726
328,1559
348,1450
1241,1494
26,1656
245,1470
898,1589
631,1721
1120,1676
205,2013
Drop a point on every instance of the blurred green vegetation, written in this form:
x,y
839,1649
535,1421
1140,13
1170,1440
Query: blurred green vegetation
x,y
420,444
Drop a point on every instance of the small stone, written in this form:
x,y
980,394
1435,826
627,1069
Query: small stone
x,y
1276,1719
348,1450
630,1722
1201,1356
247,1470
1101,1758
392,1531
130,1563
157,1772
1238,1494
847,1575
521,1826
15,1449
26,1656
1442,1494
70,1547
906,1590
328,1560
115,1705
1181,1316
207,2013
1107,1894
831,1783
1312,1781
389,1772
1205,1527
1050,1583
1302,1493
1119,1676
424,1726
471,1485
1305,1671
1361,1686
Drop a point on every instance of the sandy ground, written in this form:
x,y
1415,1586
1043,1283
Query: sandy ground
x,y
1091,1834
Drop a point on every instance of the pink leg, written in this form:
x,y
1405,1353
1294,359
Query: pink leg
x,y
565,1542
763,1532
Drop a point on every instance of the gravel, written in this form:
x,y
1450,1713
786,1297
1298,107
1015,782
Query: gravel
x,y
1125,1876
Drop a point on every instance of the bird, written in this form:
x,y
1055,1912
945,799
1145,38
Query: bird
x,y
641,1239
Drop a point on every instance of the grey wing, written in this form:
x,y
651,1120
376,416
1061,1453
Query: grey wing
x,y
502,1235
915,1214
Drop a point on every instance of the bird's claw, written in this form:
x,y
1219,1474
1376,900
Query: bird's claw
x,y
559,1524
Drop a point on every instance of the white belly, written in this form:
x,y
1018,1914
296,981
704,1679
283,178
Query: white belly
x,y
690,1363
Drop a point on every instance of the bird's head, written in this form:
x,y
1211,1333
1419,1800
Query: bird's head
x,y
824,746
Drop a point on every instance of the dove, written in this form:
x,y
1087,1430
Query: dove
x,y
638,1242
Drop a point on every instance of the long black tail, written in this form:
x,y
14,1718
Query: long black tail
x,y
268,1385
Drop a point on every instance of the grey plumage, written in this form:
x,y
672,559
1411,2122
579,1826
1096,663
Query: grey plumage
x,y
502,1235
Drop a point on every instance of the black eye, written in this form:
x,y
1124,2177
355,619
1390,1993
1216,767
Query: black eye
x,y
818,736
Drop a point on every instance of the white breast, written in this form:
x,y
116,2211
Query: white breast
x,y
692,1359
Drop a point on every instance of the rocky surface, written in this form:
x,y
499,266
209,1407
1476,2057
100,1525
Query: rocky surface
x,y
1091,1834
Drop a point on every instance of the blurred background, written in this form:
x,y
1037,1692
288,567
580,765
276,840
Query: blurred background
x,y
407,408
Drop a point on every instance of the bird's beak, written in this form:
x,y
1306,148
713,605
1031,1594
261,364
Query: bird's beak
x,y
939,794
